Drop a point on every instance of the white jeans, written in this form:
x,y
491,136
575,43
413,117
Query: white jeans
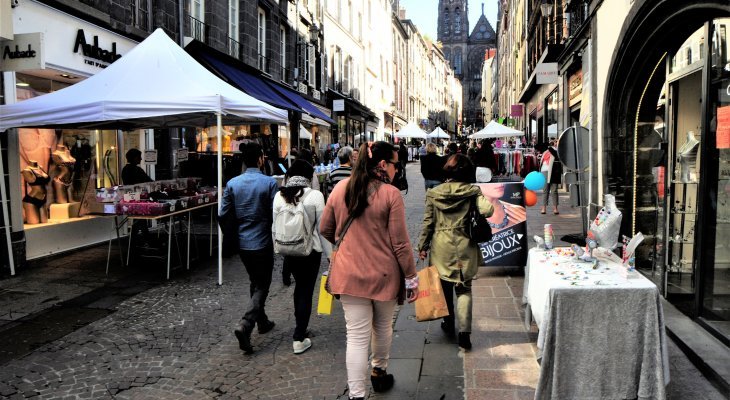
x,y
366,318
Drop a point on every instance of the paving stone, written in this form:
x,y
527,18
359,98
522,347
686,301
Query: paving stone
x,y
439,359
441,388
407,344
406,373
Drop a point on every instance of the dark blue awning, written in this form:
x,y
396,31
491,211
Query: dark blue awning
x,y
303,103
249,83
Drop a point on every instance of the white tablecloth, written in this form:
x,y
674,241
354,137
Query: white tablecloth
x,y
601,333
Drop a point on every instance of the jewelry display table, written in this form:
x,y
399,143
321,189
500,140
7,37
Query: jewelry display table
x,y
601,331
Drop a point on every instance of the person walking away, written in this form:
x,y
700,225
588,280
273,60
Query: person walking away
x,y
452,252
306,155
373,261
403,154
297,195
343,171
551,166
431,167
252,194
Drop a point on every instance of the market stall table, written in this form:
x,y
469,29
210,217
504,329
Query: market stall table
x,y
601,331
168,220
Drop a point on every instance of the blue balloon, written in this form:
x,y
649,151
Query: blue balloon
x,y
534,181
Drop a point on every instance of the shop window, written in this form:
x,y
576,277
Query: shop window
x,y
62,168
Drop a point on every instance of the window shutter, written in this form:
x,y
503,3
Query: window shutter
x,y
312,60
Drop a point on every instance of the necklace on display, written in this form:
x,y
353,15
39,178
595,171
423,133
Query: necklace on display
x,y
504,222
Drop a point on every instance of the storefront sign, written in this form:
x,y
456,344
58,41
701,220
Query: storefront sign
x,y
182,155
99,57
575,88
546,73
723,128
150,156
25,52
338,105
508,246
70,44
517,110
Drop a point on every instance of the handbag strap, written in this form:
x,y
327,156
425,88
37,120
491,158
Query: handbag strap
x,y
344,231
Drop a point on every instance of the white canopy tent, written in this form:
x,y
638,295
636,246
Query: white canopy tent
x,y
438,133
304,133
157,84
411,131
495,130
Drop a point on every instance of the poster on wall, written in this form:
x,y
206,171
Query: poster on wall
x,y
508,246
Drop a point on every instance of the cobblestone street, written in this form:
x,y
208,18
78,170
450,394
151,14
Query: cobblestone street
x,y
146,338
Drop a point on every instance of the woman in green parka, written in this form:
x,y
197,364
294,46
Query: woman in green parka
x,y
452,252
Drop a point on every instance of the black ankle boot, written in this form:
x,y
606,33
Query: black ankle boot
x,y
464,340
381,380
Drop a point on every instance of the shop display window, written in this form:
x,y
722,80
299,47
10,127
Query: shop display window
x,y
61,169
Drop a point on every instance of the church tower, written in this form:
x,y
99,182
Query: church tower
x,y
466,52
453,32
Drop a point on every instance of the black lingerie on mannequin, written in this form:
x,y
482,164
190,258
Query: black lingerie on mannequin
x,y
32,200
39,181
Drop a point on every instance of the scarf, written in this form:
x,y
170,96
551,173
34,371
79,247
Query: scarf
x,y
298,181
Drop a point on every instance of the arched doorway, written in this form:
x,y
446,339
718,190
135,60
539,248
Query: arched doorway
x,y
664,154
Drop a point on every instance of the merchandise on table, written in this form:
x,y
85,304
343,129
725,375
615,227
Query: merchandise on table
x,y
156,198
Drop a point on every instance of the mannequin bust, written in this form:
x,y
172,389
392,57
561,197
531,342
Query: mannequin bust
x,y
64,167
34,200
687,158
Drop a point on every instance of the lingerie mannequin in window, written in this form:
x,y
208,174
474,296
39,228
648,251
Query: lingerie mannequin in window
x,y
34,200
687,158
65,169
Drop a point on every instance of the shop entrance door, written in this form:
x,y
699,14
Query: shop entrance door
x,y
714,292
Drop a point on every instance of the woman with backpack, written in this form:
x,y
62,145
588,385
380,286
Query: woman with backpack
x,y
373,262
297,211
443,234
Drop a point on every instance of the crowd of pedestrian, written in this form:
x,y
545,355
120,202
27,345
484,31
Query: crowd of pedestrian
x,y
374,268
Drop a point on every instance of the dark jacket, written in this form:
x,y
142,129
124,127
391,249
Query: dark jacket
x,y
432,167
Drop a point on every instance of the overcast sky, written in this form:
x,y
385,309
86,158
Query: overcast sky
x,y
424,14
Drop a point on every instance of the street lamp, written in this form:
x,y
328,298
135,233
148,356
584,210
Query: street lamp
x,y
547,9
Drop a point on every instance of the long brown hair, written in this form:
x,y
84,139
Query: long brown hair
x,y
357,191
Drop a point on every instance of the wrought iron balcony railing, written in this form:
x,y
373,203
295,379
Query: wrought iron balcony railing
x,y
196,29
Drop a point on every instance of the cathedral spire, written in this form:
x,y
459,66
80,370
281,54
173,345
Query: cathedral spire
x,y
482,8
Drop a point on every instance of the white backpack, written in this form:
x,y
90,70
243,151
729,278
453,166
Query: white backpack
x,y
293,231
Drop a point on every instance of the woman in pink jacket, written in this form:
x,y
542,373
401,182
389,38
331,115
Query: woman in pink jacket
x,y
373,262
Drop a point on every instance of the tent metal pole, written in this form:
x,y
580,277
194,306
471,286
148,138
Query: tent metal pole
x,y
219,135
6,215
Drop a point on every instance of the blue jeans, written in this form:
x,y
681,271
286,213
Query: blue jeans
x,y
430,183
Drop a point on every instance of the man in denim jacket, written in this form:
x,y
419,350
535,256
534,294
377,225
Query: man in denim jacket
x,y
252,194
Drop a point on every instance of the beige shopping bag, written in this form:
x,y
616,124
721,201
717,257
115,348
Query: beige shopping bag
x,y
431,303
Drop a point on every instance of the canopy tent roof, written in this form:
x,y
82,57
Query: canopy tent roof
x,y
495,130
438,133
411,131
157,84
304,133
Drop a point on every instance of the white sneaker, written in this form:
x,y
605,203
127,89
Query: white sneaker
x,y
301,347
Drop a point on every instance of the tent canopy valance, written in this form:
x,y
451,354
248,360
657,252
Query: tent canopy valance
x,y
157,84
495,130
